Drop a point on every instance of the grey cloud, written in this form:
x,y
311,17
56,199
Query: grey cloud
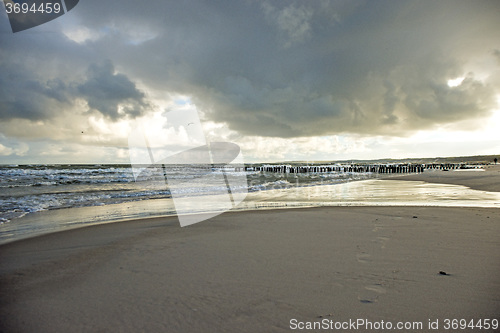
x,y
106,92
24,95
287,68
438,102
366,68
292,21
27,94
44,74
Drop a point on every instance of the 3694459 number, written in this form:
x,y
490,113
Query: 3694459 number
x,y
478,324
44,8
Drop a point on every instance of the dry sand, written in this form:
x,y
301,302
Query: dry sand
x,y
255,271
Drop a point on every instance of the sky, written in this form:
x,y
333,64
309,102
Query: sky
x,y
289,80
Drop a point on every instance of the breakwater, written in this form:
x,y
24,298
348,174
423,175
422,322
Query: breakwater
x,y
355,168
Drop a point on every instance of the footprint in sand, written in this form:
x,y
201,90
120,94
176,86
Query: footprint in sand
x,y
376,288
371,293
382,241
363,257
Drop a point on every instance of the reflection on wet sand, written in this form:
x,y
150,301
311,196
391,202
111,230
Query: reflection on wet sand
x,y
376,192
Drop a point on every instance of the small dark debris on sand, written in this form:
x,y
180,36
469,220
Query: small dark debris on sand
x,y
443,273
328,315
367,301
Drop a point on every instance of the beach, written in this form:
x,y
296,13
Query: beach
x,y
263,271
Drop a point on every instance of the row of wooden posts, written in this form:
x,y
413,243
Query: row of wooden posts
x,y
374,168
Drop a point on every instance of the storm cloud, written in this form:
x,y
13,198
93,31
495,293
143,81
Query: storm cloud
x,y
265,68
25,95
111,94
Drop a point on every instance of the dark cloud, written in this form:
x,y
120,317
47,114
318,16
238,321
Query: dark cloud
x,y
313,68
24,95
114,95
270,68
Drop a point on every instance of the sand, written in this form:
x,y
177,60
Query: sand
x,y
487,180
257,271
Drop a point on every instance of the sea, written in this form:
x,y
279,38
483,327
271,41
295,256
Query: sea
x,y
37,199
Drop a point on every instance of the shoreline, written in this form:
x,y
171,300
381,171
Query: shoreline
x,y
415,190
331,195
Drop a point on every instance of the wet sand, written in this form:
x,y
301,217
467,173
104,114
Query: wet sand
x,y
487,180
255,271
